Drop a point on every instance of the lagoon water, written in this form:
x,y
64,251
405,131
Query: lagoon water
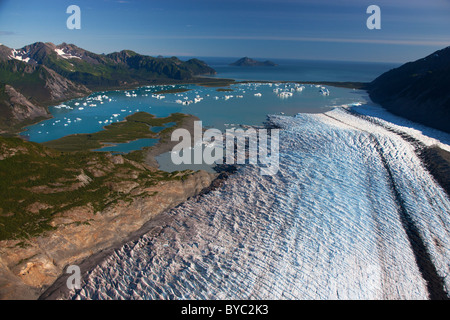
x,y
74,117
91,114
329,225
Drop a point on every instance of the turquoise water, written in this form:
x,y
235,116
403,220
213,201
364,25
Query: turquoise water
x,y
216,109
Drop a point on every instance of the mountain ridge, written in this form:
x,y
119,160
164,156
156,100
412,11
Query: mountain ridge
x,y
45,74
417,90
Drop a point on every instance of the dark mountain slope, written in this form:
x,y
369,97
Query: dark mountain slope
x,y
99,70
419,90
26,90
44,73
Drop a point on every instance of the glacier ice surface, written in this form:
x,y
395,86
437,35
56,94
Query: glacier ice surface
x,y
326,226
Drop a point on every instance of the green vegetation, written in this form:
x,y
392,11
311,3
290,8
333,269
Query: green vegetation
x,y
135,126
37,183
118,68
114,69
27,79
40,177
51,79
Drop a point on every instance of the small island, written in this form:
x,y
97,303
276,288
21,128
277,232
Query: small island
x,y
247,62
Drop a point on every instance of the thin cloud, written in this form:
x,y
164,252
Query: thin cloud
x,y
419,42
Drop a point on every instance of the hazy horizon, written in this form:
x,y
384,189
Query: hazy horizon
x,y
230,58
287,29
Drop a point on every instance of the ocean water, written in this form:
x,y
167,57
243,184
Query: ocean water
x,y
91,114
301,70
329,225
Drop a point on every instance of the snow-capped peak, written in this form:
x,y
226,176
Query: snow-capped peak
x,y
64,55
19,55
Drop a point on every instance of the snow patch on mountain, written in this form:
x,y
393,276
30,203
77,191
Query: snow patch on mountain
x,y
64,55
19,55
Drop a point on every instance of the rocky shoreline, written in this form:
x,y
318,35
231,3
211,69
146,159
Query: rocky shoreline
x,y
36,268
83,236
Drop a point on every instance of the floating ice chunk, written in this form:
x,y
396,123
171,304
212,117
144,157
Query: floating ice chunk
x,y
324,91
63,106
18,55
285,94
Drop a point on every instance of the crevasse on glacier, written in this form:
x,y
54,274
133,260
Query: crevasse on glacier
x,y
329,225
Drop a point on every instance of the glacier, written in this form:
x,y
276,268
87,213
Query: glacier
x,y
351,214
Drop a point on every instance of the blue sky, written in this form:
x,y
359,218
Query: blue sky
x,y
325,30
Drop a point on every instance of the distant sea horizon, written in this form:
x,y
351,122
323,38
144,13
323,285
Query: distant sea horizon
x,y
80,116
299,69
83,116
